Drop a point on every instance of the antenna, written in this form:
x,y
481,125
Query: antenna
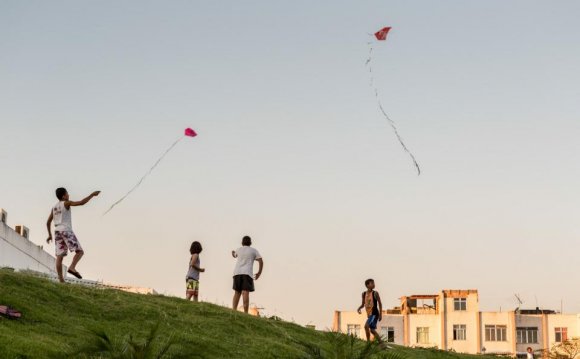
x,y
520,301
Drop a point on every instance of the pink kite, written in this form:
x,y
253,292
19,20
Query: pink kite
x,y
187,133
381,35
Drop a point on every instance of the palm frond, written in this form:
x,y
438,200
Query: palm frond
x,y
103,346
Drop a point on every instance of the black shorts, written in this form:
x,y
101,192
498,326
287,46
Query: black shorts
x,y
243,282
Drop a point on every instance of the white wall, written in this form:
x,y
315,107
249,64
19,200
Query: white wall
x,y
389,320
469,318
19,253
350,317
497,318
569,321
432,321
395,321
472,302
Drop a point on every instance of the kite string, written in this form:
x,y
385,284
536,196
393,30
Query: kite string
x,y
145,175
392,123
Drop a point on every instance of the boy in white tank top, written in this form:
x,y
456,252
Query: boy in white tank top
x,y
64,237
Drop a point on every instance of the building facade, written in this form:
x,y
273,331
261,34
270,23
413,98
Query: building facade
x,y
451,320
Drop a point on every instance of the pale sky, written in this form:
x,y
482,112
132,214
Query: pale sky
x,y
292,149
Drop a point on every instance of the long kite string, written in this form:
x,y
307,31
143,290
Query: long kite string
x,y
391,122
144,176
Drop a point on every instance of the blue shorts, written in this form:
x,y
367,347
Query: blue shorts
x,y
372,321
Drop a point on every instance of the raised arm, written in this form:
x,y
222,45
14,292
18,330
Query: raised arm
x,y
48,223
234,254
362,304
261,262
82,202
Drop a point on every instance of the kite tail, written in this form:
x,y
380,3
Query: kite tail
x,y
144,176
392,123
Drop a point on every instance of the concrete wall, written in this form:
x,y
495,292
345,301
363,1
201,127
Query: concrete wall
x,y
529,320
431,321
343,319
469,318
395,321
569,321
498,318
19,253
472,300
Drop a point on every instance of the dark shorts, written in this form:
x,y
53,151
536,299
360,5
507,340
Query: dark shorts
x,y
372,321
243,282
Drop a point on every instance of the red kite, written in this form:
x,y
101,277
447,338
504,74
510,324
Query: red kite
x,y
381,35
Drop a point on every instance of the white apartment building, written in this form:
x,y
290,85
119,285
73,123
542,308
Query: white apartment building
x,y
451,320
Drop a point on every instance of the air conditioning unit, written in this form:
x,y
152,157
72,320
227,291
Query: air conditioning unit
x,y
3,216
23,231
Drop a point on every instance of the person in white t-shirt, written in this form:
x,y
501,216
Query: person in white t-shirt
x,y
64,237
529,353
244,272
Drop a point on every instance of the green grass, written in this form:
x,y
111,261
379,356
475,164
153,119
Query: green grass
x,y
61,320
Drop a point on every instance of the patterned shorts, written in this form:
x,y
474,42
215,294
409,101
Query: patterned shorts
x,y
66,241
192,287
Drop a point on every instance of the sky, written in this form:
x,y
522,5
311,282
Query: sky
x,y
292,149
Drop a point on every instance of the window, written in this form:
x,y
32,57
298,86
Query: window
x,y
353,329
527,335
460,304
459,332
561,334
388,333
495,333
422,335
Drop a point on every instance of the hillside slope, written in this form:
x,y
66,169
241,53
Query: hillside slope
x,y
58,320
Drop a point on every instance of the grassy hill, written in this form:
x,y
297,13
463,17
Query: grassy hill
x,y
66,321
